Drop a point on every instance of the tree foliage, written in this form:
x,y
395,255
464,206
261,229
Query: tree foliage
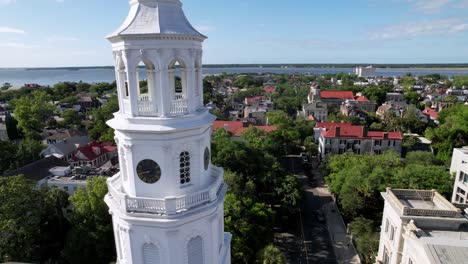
x,y
90,239
31,112
99,130
451,133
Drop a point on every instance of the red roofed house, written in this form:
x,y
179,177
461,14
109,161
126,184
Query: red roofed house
x,y
237,127
269,89
431,113
339,138
93,155
336,98
356,106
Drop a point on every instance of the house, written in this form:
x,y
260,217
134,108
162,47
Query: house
x,y
269,89
357,107
93,155
315,109
64,149
56,136
459,168
431,113
421,227
87,103
335,99
39,171
237,127
340,139
398,108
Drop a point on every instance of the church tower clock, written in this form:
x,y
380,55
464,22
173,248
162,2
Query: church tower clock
x,y
167,201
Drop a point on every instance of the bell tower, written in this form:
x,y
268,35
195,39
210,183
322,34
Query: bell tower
x,y
167,200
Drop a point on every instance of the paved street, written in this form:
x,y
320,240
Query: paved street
x,y
324,239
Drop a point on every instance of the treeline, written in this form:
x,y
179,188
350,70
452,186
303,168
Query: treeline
x,y
357,180
36,225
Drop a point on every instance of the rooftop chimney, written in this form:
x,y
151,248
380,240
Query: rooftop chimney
x,y
337,131
385,135
365,131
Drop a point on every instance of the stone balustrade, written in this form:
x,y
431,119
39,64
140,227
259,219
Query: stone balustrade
x,y
170,205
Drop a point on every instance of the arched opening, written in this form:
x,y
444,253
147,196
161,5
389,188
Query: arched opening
x,y
146,87
178,87
195,250
150,254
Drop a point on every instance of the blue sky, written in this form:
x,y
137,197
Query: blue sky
x,y
51,33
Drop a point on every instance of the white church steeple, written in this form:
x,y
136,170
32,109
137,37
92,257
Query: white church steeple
x,y
167,201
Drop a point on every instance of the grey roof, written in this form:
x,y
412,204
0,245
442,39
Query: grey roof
x,y
164,17
441,254
40,169
70,145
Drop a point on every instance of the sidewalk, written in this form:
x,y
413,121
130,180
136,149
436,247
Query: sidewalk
x,y
342,245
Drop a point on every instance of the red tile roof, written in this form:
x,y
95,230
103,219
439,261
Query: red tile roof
x,y
357,132
431,112
89,150
344,95
269,89
237,127
253,99
362,99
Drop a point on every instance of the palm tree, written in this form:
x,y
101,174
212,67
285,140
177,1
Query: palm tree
x,y
271,255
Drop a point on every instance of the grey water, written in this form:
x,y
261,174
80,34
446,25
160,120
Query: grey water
x,y
19,77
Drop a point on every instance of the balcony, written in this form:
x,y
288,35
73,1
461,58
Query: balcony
x,y
170,205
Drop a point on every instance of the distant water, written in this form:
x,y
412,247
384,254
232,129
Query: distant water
x,y
19,77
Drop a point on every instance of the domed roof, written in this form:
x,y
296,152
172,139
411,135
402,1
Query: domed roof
x,y
164,17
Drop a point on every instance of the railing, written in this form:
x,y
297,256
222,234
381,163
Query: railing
x,y
179,96
144,97
179,107
429,212
147,108
167,206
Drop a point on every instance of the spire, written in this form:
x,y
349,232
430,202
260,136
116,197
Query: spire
x,y
163,17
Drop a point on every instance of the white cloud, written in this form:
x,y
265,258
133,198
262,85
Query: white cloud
x,y
55,38
430,6
414,29
15,45
6,2
11,30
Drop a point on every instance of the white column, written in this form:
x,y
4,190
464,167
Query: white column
x,y
120,88
200,86
190,89
165,96
132,93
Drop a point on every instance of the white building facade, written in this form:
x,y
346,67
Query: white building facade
x,y
365,72
421,227
167,201
459,168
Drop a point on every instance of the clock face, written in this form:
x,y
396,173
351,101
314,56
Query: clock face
x,y
207,158
148,171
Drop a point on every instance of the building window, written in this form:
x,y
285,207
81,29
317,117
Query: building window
x,y
461,191
410,261
342,142
150,254
184,167
464,177
378,143
392,233
195,250
387,224
327,141
386,257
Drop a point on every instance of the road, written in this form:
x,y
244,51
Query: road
x,y
323,240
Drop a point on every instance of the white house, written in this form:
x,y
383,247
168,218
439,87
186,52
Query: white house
x,y
459,168
421,227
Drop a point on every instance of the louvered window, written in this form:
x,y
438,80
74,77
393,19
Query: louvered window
x,y
150,254
195,251
184,167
